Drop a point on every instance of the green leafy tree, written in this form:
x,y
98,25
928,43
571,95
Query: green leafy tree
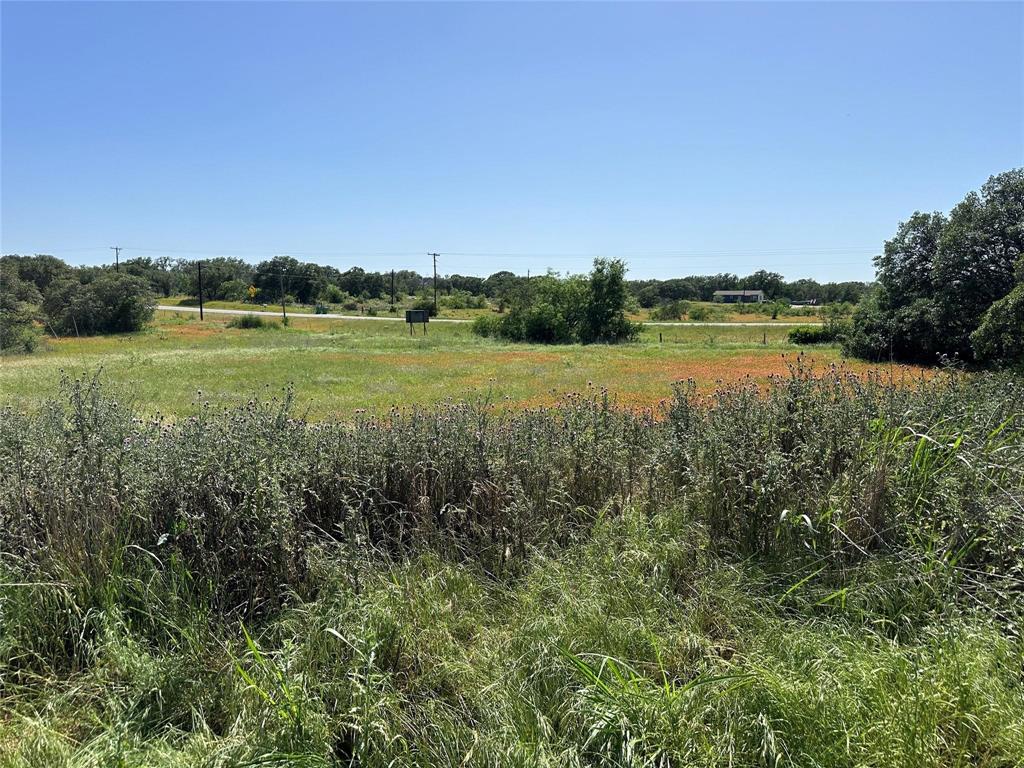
x,y
71,308
158,272
552,310
974,266
216,273
127,302
604,319
901,320
114,302
771,283
1000,336
938,277
39,270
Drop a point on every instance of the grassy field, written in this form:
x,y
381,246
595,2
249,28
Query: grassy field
x,y
340,366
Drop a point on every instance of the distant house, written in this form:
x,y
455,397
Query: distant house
x,y
739,297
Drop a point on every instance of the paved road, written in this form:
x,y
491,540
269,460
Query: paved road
x,y
329,316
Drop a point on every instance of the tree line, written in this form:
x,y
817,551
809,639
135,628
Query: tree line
x,y
654,293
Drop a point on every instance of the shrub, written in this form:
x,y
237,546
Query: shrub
x,y
1000,336
17,312
233,290
487,325
700,313
112,303
334,295
552,310
811,334
670,311
463,300
127,302
249,321
425,302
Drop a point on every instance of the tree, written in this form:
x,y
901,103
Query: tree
x,y
762,280
605,319
549,309
902,320
71,308
270,275
216,273
126,301
39,270
938,277
114,302
980,246
157,272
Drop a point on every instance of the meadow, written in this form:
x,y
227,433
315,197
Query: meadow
x,y
339,366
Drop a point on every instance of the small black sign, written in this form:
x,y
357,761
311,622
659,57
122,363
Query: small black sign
x,y
417,316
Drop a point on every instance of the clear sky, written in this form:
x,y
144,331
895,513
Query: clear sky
x,y
687,138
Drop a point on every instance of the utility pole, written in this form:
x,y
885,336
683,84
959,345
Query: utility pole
x,y
392,288
117,254
435,255
284,312
200,290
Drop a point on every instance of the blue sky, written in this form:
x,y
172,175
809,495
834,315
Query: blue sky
x,y
687,138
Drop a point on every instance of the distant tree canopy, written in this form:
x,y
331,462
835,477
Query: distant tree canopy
x,y
653,293
552,310
946,284
218,273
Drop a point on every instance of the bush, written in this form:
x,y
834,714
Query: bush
x,y
670,311
17,312
249,321
552,310
233,290
811,334
127,302
425,303
332,294
112,303
487,325
463,300
700,313
1000,336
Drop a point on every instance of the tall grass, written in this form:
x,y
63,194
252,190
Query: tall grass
x,y
826,571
